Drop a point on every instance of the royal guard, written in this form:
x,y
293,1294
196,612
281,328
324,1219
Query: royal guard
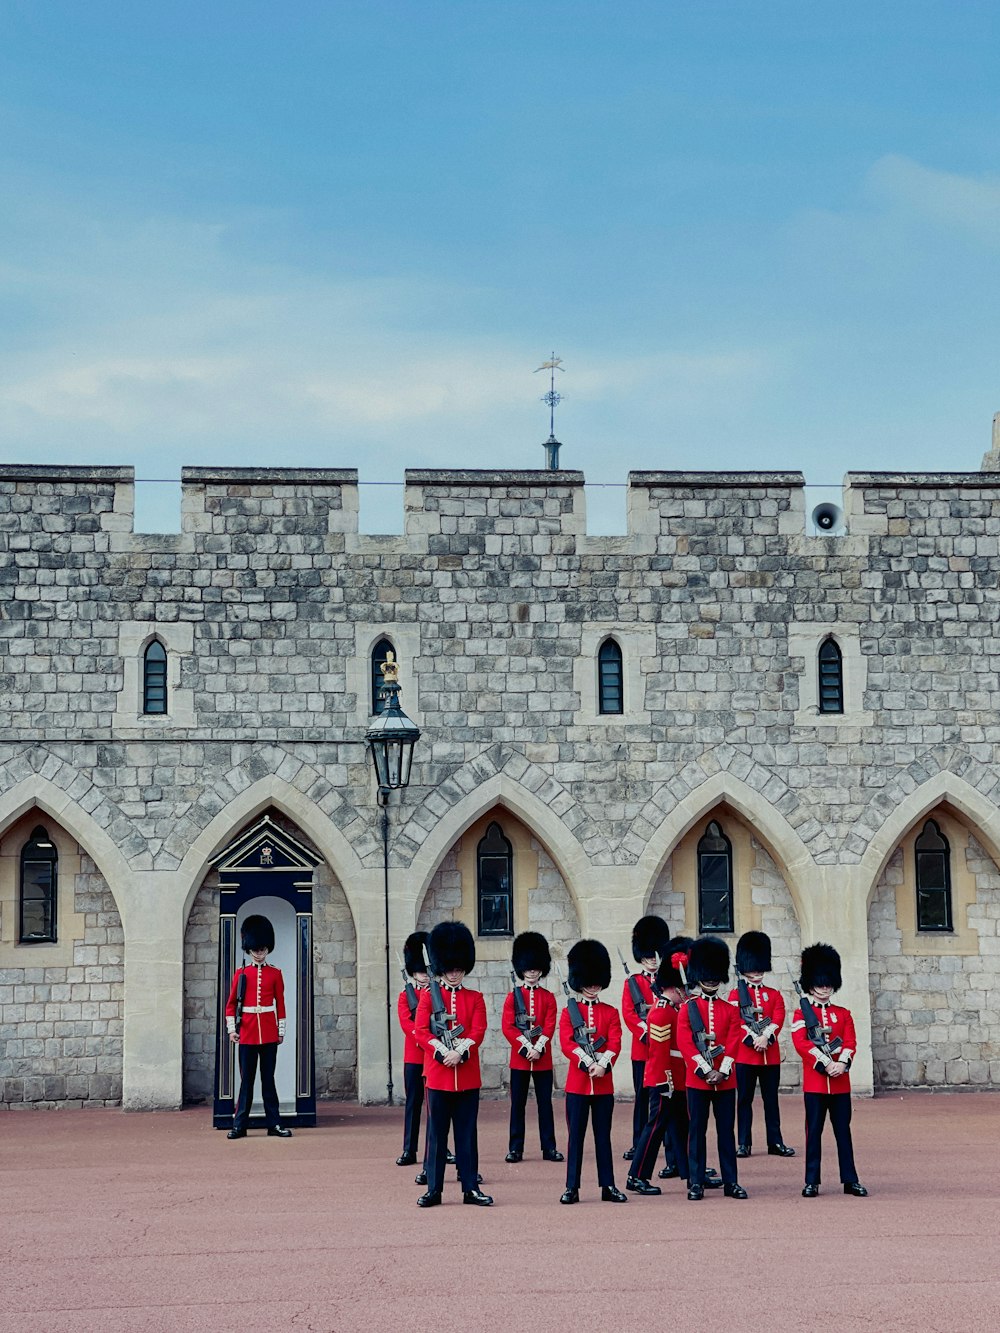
x,y
255,1018
823,1035
659,1077
762,1016
450,1027
679,952
529,1024
649,940
415,983
590,1034
708,1035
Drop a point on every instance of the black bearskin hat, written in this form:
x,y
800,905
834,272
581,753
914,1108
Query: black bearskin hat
x,y
257,933
668,973
451,948
753,952
588,964
649,937
414,958
820,967
530,951
709,961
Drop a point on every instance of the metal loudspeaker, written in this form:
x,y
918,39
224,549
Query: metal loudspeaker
x,y
828,518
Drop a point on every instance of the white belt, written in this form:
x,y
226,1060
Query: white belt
x,y
260,1008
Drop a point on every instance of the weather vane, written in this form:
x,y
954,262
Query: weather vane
x,y
552,399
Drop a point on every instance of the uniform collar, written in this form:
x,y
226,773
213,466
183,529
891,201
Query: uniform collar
x,y
448,986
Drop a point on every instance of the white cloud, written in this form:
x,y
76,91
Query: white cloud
x,y
968,202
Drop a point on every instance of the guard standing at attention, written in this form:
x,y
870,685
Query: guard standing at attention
x,y
450,1026
759,1058
708,1036
529,1024
590,1034
260,1002
823,1035
415,967
650,935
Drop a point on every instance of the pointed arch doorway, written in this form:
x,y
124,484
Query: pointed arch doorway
x,y
267,870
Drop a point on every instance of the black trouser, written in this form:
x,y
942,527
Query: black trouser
x,y
838,1104
655,1132
677,1131
723,1107
267,1055
580,1107
519,1081
747,1076
640,1107
413,1083
460,1112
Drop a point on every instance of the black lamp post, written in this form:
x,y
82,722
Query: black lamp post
x,y
391,738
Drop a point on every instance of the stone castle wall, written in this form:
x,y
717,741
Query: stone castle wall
x,y
496,599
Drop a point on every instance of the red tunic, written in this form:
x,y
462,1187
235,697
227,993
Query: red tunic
x,y
413,1052
541,1007
263,1005
678,1068
662,1021
466,1009
722,1019
838,1023
635,1025
771,1003
602,1020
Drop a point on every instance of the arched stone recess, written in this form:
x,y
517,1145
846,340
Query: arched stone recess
x,y
542,901
934,1017
295,804
61,1004
334,969
306,794
776,836
554,832
547,802
795,832
890,815
762,899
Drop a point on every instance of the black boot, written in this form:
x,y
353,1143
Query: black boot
x,y
856,1188
610,1194
636,1185
428,1200
477,1197
779,1150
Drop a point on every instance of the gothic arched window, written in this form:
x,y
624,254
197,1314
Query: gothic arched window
x,y
715,881
495,883
378,681
831,677
610,698
154,679
932,856
38,889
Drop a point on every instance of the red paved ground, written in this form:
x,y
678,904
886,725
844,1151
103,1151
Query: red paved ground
x,y
147,1222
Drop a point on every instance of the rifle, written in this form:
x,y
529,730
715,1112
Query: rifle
x,y
701,1037
639,1001
241,995
753,1018
581,1033
815,1031
521,1019
440,1020
411,994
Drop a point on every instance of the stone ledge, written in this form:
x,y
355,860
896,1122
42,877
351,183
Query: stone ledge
x,y
269,476
491,477
56,472
919,481
717,480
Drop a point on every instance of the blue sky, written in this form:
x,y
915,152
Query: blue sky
x,y
758,234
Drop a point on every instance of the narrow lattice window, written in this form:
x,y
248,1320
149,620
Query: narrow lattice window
x,y
715,880
609,678
495,883
831,677
379,652
933,858
39,889
154,679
